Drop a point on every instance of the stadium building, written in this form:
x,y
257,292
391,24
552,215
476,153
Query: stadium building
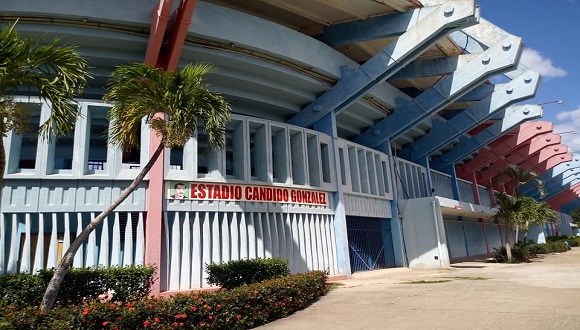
x,y
365,134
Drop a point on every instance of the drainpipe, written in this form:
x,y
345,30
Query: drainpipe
x,y
434,207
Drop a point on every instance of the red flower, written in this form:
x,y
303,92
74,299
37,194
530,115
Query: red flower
x,y
180,324
146,323
259,313
180,316
156,320
11,307
202,324
219,306
119,318
210,317
238,316
193,308
175,324
106,323
86,311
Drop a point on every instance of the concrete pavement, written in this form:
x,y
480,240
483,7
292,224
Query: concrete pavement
x,y
544,294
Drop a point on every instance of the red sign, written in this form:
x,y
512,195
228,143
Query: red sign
x,y
245,193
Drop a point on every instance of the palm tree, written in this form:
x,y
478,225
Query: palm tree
x,y
539,214
517,210
521,176
138,91
509,214
57,73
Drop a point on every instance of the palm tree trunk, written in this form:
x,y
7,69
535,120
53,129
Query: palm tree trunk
x,y
508,248
517,234
56,281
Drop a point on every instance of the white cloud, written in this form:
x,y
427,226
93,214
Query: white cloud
x,y
569,121
543,65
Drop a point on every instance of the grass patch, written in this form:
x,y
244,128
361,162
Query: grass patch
x,y
468,278
334,285
426,282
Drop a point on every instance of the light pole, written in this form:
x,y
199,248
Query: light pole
x,y
556,101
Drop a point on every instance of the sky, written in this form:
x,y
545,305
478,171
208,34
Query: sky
x,y
549,29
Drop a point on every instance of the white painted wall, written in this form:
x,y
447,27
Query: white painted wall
x,y
424,233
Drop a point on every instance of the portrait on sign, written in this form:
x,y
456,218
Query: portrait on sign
x,y
179,190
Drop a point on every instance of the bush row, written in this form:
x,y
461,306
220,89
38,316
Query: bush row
x,y
548,247
244,307
525,252
122,284
235,273
574,241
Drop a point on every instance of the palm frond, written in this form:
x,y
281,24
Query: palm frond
x,y
139,91
57,72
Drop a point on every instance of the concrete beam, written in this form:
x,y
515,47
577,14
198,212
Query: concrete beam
x,y
476,39
531,136
443,132
572,205
181,22
158,27
553,178
514,115
500,57
564,195
541,168
354,83
377,27
557,190
433,67
528,162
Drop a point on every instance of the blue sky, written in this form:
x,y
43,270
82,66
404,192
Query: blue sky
x,y
550,31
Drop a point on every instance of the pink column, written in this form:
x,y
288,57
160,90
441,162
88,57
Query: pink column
x,y
154,218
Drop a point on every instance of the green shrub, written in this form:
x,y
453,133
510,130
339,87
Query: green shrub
x,y
79,285
540,248
575,241
244,307
20,289
520,253
128,283
558,246
246,271
549,247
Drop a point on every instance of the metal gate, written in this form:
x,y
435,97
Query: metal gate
x,y
370,243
